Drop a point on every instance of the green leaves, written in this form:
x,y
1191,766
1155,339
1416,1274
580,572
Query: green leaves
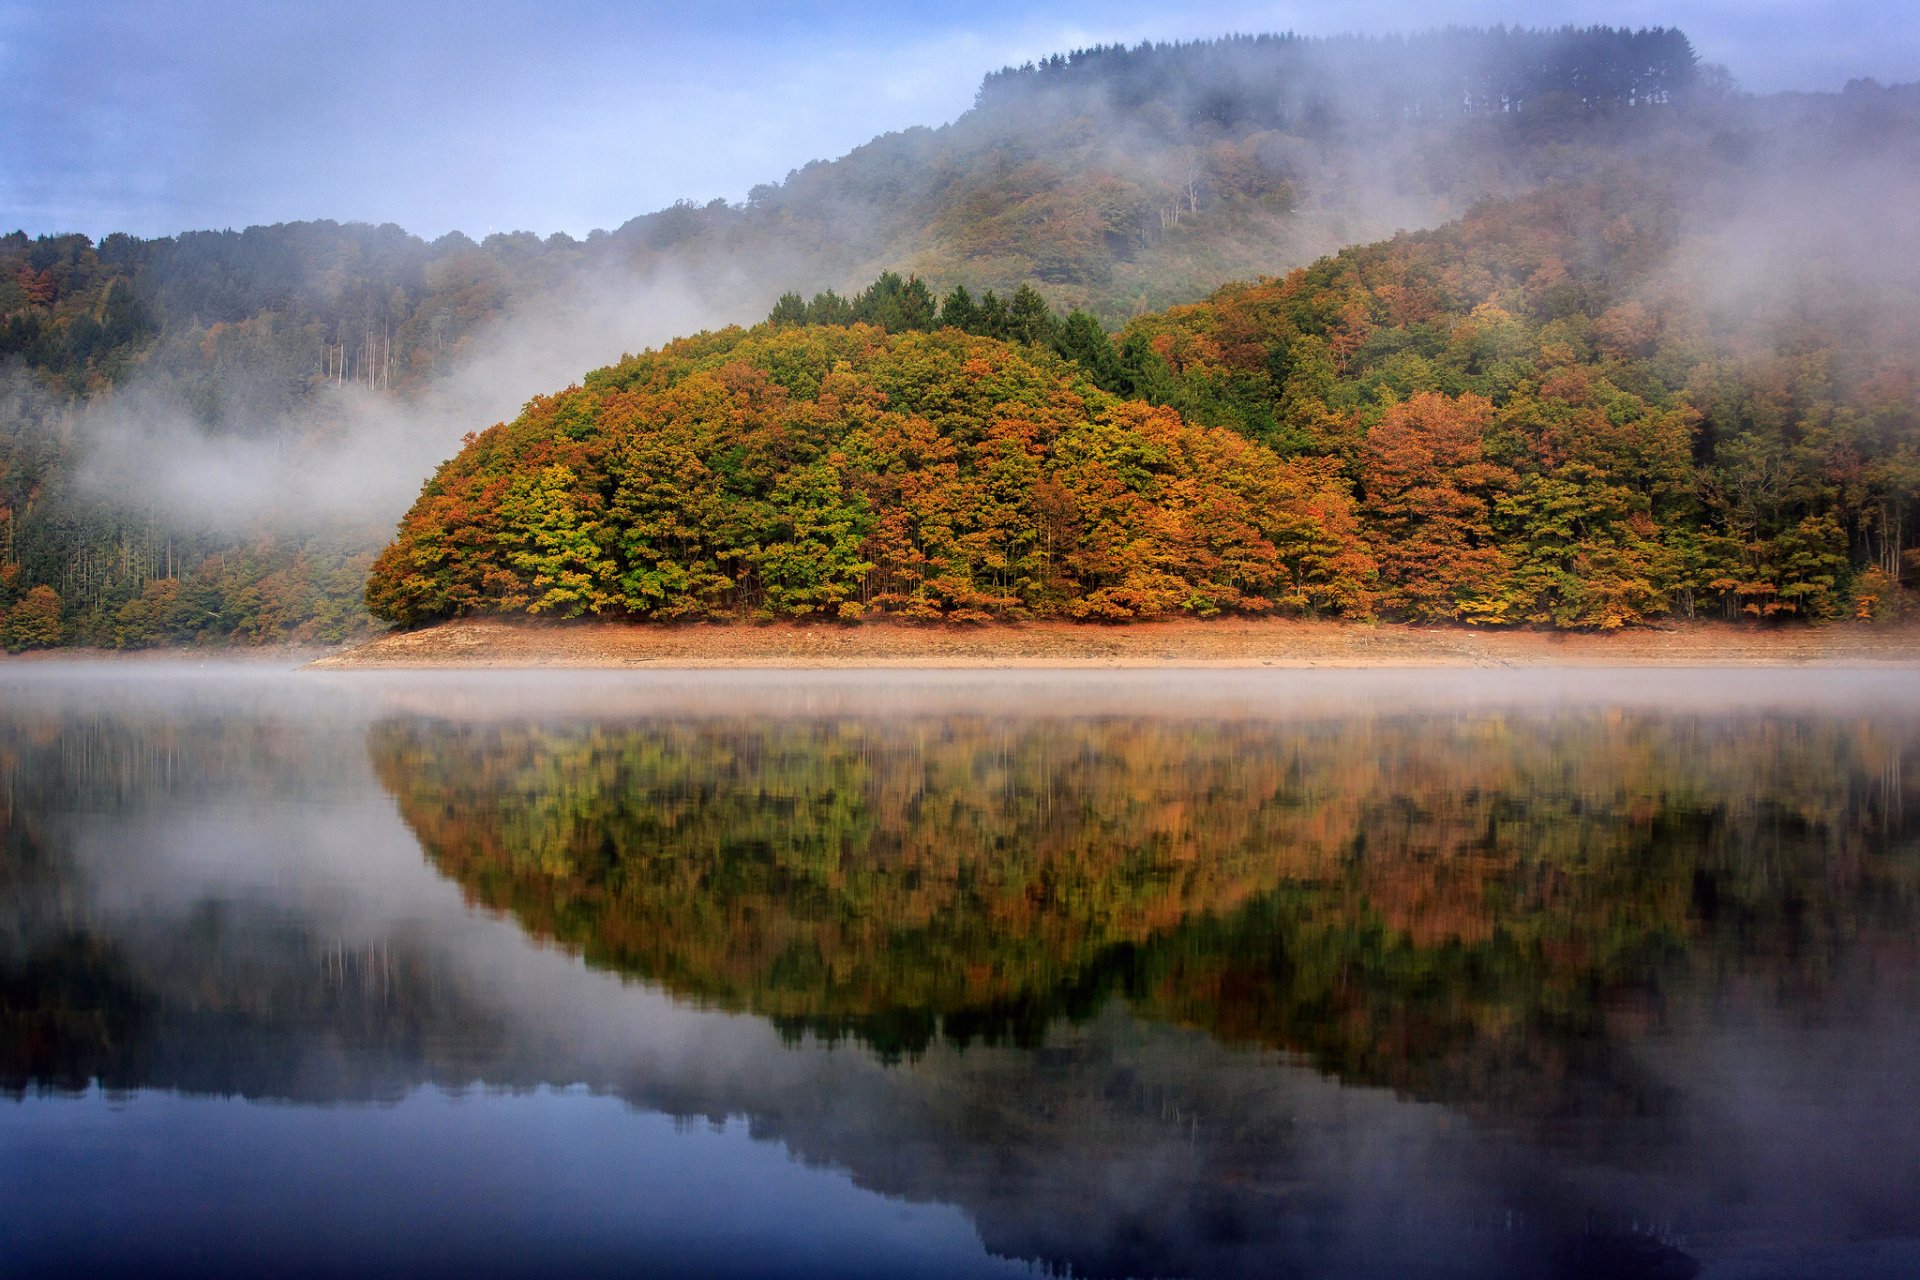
x,y
810,561
554,541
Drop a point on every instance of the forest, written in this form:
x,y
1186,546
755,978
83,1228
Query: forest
x,y
839,471
1086,211
1524,417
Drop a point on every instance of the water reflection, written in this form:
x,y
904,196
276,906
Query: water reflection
x,y
1143,980
1430,902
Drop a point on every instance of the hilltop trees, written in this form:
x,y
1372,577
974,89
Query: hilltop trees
x,y
1320,85
890,302
1025,316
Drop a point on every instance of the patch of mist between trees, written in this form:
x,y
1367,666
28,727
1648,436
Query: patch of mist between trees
x,y
26,405
1338,196
1801,234
348,456
1332,173
1836,245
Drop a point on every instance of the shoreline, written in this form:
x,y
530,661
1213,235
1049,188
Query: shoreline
x,y
1228,643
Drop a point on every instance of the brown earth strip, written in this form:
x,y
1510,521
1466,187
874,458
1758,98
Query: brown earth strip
x,y
1235,642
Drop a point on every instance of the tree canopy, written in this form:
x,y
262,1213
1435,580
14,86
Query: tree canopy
x,y
836,471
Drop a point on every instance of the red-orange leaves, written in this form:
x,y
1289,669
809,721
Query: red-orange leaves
x,y
1430,493
1171,517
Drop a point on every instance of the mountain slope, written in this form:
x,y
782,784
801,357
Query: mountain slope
x,y
1537,414
1116,180
842,471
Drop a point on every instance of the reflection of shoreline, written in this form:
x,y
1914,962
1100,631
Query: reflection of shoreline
x,y
1419,902
214,855
1214,643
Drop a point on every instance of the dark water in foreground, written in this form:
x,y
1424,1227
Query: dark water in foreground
x,y
1315,973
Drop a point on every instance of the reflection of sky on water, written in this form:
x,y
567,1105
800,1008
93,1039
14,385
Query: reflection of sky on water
x,y
445,1184
232,847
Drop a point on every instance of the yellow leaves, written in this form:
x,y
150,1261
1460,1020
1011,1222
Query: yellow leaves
x,y
34,621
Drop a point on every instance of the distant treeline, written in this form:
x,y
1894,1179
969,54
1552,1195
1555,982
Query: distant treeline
x,y
295,303
1309,85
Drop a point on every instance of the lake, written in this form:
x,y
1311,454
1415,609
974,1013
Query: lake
x,y
1393,973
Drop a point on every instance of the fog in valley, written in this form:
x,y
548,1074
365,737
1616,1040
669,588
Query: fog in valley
x,y
346,455
1792,205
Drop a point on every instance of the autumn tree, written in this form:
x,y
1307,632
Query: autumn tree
x,y
34,621
1429,501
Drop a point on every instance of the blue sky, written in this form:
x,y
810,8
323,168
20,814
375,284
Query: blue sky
x,y
565,115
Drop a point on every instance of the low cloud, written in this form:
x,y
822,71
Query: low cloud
x,y
353,456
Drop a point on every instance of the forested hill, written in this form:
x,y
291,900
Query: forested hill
x,y
840,471
1119,181
1536,415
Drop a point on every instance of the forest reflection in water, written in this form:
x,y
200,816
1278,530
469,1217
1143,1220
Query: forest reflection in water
x,y
1426,901
1395,978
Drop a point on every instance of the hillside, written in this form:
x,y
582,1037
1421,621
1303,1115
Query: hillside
x,y
1113,180
841,471
1560,410
1534,415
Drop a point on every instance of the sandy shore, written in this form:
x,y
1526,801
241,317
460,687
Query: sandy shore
x,y
1220,643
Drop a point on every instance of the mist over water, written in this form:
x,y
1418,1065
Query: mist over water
x,y
1435,973
1394,973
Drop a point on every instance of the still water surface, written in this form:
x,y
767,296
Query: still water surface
x,y
1316,973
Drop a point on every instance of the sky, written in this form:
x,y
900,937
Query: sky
x,y
567,115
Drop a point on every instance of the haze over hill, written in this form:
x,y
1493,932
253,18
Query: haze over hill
x,y
243,414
